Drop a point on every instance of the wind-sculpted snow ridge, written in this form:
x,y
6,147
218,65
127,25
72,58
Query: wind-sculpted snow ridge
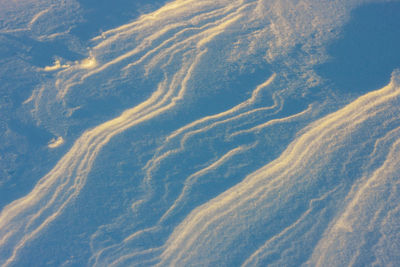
x,y
296,202
22,220
158,45
162,66
176,201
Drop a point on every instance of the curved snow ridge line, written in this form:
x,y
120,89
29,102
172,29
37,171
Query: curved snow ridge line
x,y
263,192
200,23
193,178
123,255
176,10
32,213
144,258
274,122
231,111
368,208
273,245
382,144
209,122
196,41
37,16
276,27
174,30
182,133
97,259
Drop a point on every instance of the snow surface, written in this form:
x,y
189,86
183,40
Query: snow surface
x,y
200,133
